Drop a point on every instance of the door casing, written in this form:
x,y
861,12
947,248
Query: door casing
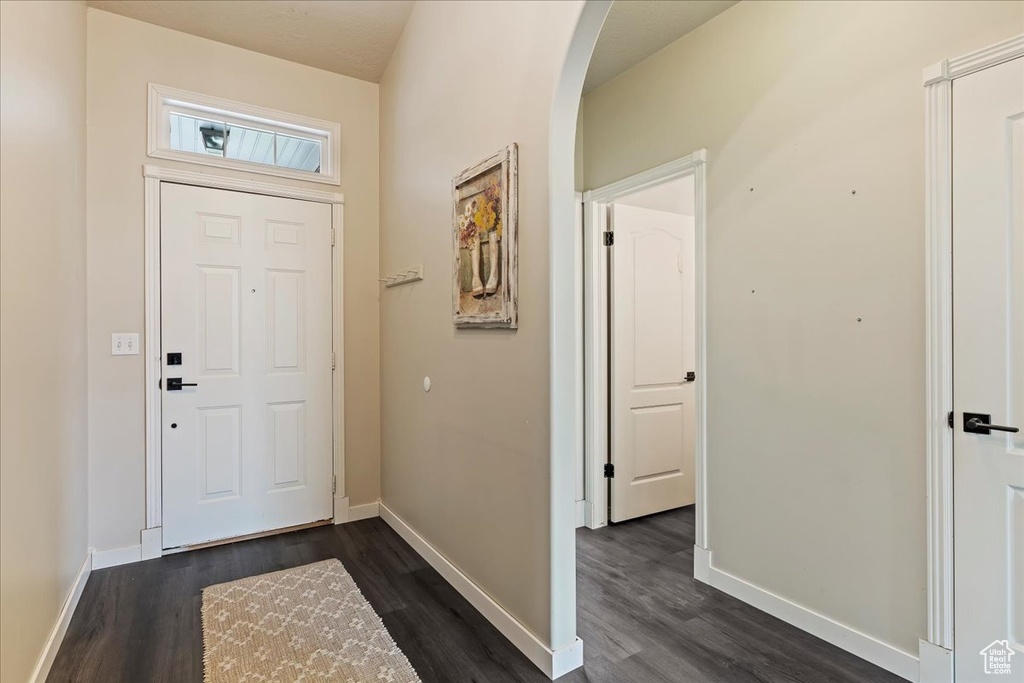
x,y
936,652
154,175
595,334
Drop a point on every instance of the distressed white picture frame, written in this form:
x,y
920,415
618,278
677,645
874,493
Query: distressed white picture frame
x,y
508,316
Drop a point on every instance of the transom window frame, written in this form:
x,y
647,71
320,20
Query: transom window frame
x,y
165,100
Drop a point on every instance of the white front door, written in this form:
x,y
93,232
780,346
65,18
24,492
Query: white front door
x,y
988,371
652,350
246,306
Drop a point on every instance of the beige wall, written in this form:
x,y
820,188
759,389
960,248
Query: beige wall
x,y
43,506
816,420
467,464
125,55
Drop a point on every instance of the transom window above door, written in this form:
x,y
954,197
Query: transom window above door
x,y
201,129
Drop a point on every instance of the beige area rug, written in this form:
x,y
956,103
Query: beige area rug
x,y
309,623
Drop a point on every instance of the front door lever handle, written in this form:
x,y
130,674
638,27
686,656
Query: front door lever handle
x,y
978,423
175,384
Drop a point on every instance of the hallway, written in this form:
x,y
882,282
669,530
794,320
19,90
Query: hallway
x,y
638,604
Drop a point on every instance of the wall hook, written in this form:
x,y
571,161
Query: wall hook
x,y
403,276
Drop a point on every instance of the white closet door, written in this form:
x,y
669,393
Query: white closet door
x,y
653,345
988,371
246,302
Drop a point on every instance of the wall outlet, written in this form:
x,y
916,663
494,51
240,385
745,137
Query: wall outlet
x,y
124,344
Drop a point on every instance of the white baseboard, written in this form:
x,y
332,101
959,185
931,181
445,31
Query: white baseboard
x,y
52,645
581,513
553,663
367,511
101,559
590,516
343,512
701,564
936,663
565,660
152,543
881,654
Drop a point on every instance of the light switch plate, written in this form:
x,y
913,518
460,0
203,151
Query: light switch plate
x,y
124,344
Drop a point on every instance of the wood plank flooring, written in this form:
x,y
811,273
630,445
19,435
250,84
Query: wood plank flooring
x,y
641,615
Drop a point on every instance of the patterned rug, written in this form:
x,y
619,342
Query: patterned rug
x,y
309,623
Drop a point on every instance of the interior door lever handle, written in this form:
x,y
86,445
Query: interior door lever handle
x,y
175,384
978,423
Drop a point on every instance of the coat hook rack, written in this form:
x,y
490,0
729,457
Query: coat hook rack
x,y
403,276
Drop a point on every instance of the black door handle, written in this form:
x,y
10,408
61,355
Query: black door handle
x,y
175,384
978,423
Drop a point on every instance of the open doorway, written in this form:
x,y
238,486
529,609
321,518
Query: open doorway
x,y
643,400
651,351
817,411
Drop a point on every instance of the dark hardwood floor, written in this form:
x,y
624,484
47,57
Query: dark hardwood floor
x,y
641,615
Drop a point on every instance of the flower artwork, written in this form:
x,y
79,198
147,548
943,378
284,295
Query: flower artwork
x,y
485,225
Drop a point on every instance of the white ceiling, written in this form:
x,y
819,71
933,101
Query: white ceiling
x,y
356,37
636,29
350,37
674,197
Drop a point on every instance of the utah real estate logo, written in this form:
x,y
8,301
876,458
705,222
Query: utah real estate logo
x,y
997,657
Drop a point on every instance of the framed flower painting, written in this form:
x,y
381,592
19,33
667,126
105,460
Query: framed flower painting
x,y
485,222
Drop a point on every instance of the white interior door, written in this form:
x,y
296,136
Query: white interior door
x,y
246,302
988,370
653,347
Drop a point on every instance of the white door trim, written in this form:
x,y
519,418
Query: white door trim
x,y
579,402
938,82
595,353
154,175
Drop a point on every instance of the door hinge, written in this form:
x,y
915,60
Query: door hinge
x,y
332,236
949,419
609,470
334,484
609,239
334,361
